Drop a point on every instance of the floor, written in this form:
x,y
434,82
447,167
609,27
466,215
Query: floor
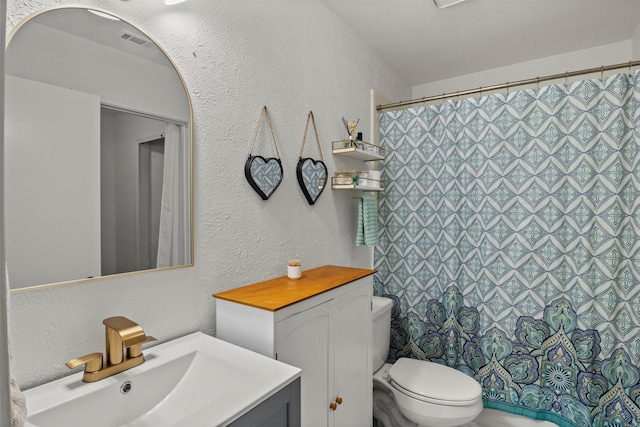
x,y
493,418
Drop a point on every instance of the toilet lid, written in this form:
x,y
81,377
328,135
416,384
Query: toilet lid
x,y
433,382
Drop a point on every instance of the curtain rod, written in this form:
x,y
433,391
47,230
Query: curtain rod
x,y
507,85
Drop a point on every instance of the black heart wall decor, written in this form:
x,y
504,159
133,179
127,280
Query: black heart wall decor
x,y
264,174
312,177
312,174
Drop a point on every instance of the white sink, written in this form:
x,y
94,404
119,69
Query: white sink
x,y
193,381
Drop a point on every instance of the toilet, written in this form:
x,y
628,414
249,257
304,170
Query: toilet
x,y
410,392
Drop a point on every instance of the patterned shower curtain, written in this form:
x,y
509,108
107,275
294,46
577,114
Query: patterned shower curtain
x,y
510,244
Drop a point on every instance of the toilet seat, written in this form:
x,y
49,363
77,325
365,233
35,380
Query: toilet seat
x,y
406,409
434,383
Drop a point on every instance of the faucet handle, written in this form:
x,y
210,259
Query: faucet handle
x,y
92,362
136,349
149,339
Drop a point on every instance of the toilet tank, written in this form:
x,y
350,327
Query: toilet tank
x,y
381,330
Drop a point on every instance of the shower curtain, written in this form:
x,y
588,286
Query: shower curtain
x,y
174,236
509,242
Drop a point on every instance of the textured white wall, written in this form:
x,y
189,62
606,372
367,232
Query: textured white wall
x,y
615,53
635,44
235,56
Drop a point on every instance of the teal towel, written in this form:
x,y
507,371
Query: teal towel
x,y
367,233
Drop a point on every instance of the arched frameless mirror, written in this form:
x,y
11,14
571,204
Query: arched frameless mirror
x,y
98,150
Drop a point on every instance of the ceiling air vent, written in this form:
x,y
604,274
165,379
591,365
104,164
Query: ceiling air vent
x,y
140,41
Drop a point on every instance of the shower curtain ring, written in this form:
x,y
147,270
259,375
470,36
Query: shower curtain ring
x,y
602,72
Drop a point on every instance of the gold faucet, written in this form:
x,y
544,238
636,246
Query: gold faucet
x,y
124,339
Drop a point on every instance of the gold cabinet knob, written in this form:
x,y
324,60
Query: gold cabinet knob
x,y
339,400
333,406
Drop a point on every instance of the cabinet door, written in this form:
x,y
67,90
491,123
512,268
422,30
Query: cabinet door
x,y
302,340
350,363
280,410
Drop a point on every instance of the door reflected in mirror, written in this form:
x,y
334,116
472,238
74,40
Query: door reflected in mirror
x,y
97,151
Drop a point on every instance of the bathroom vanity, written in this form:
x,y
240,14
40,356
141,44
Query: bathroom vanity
x,y
320,323
195,380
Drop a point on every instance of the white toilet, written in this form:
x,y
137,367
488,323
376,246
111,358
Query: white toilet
x,y
414,392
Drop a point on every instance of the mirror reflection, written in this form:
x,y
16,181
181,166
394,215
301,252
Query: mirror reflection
x,y
97,151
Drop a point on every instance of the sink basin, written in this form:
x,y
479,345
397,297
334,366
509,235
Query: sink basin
x,y
195,380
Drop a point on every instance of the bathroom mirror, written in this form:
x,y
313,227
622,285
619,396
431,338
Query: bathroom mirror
x,y
98,151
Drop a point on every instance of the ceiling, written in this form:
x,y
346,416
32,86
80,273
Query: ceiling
x,y
116,34
426,44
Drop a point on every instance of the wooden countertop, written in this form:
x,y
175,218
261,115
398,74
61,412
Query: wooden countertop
x,y
280,292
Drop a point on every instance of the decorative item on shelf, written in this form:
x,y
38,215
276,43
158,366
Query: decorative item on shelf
x,y
351,129
374,149
362,178
312,174
360,150
294,269
375,178
342,178
264,174
354,180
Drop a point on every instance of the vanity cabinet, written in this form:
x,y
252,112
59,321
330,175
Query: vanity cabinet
x,y
320,323
280,410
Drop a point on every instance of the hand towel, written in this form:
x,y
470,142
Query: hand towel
x,y
360,225
367,233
